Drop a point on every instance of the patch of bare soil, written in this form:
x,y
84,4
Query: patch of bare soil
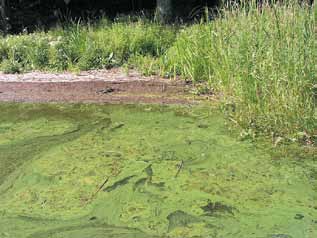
x,y
100,86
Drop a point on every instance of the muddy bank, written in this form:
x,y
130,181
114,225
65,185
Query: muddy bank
x,y
103,86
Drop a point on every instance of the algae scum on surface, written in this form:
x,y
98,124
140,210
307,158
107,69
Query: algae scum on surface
x,y
92,171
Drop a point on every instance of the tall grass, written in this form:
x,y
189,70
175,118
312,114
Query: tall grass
x,y
81,47
262,60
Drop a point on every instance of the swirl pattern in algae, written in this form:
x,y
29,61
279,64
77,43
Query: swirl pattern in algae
x,y
90,171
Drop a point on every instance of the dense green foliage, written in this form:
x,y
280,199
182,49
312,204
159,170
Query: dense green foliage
x,y
85,47
261,60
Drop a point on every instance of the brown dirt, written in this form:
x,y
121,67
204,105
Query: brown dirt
x,y
102,86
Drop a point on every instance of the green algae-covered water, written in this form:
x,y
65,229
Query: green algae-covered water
x,y
92,171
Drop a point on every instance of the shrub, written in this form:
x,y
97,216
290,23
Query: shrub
x,y
11,67
39,56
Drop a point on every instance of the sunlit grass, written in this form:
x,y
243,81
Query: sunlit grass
x,y
83,47
262,60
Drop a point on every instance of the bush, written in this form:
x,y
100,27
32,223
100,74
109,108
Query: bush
x,y
4,50
95,58
39,57
59,56
11,67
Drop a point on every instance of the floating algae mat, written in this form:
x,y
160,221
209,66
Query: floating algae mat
x,y
92,171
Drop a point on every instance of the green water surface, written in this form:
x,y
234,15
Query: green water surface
x,y
92,171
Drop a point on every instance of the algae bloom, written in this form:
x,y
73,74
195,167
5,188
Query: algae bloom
x,y
89,171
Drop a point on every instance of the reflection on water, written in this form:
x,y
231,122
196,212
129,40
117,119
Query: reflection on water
x,y
144,171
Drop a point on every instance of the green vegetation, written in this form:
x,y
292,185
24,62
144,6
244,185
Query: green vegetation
x,y
145,171
83,47
261,61
264,62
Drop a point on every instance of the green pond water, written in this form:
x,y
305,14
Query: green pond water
x,y
92,171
